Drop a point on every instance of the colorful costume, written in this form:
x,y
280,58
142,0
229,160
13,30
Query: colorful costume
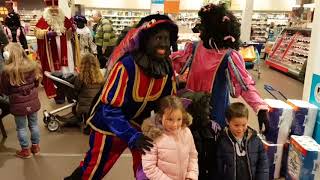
x,y
127,98
208,74
55,50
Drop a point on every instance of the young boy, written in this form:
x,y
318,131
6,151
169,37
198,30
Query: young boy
x,y
240,153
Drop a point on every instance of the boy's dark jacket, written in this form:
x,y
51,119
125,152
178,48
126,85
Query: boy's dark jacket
x,y
256,157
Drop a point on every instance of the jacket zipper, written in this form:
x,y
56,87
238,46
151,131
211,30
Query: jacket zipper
x,y
248,161
234,158
179,156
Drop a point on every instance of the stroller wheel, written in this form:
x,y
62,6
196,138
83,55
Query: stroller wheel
x,y
53,125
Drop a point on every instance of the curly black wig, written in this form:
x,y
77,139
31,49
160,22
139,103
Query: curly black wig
x,y
167,24
199,109
219,26
12,20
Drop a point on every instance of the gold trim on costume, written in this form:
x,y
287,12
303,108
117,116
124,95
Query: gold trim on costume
x,y
136,86
145,101
105,92
118,89
99,157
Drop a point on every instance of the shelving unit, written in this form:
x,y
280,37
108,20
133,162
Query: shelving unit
x,y
120,18
262,20
290,51
29,19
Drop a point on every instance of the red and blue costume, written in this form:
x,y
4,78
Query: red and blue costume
x,y
127,99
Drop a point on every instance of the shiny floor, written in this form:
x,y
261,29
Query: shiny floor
x,y
62,151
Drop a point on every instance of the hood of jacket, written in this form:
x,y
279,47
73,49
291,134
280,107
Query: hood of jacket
x,y
152,127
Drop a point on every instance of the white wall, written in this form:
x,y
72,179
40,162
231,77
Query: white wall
x,y
262,5
265,5
190,4
122,4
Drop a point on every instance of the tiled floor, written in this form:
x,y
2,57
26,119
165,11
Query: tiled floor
x,y
62,151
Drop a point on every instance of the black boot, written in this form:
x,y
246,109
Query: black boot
x,y
76,175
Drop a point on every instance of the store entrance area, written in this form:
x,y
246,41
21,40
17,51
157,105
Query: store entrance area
x,y
62,151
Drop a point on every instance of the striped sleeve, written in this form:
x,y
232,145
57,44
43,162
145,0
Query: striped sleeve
x,y
114,90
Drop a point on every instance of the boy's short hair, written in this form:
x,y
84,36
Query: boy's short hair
x,y
236,110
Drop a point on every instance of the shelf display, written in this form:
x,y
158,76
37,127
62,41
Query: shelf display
x,y
261,22
120,18
29,19
290,51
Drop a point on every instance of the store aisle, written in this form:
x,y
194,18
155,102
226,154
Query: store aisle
x,y
62,151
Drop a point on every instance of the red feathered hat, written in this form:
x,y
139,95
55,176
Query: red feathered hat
x,y
51,2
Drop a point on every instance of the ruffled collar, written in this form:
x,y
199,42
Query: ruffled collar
x,y
154,68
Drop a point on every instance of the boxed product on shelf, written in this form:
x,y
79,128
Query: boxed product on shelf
x,y
281,116
303,159
305,115
274,153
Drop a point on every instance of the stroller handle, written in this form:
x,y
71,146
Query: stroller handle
x,y
48,74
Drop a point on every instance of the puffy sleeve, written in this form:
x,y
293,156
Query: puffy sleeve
x,y
179,58
250,94
192,171
113,98
149,164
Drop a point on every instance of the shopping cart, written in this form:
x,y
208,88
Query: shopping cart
x,y
250,52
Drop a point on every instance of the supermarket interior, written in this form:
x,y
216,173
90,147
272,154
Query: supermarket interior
x,y
84,83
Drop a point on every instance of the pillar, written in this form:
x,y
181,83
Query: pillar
x,y
246,20
313,63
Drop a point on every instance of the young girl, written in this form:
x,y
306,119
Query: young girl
x,y
240,153
19,80
87,84
173,155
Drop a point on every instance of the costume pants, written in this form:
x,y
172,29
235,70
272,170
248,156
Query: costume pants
x,y
103,153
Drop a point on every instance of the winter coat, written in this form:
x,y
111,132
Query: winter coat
x,y
256,157
24,98
105,35
173,156
85,95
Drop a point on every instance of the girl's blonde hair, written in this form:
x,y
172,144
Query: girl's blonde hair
x,y
174,103
18,64
90,70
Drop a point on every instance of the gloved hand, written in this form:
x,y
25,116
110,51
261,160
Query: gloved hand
x,y
263,120
143,143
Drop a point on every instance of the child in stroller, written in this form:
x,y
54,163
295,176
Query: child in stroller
x,y
205,132
84,88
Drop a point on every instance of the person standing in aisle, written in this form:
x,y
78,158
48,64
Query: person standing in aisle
x,y
14,30
240,149
19,80
140,77
214,65
85,36
3,42
105,37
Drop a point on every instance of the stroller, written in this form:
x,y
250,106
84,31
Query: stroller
x,y
51,119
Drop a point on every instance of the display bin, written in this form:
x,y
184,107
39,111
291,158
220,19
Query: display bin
x,y
303,159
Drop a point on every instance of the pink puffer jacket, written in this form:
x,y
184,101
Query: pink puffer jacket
x,y
173,157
